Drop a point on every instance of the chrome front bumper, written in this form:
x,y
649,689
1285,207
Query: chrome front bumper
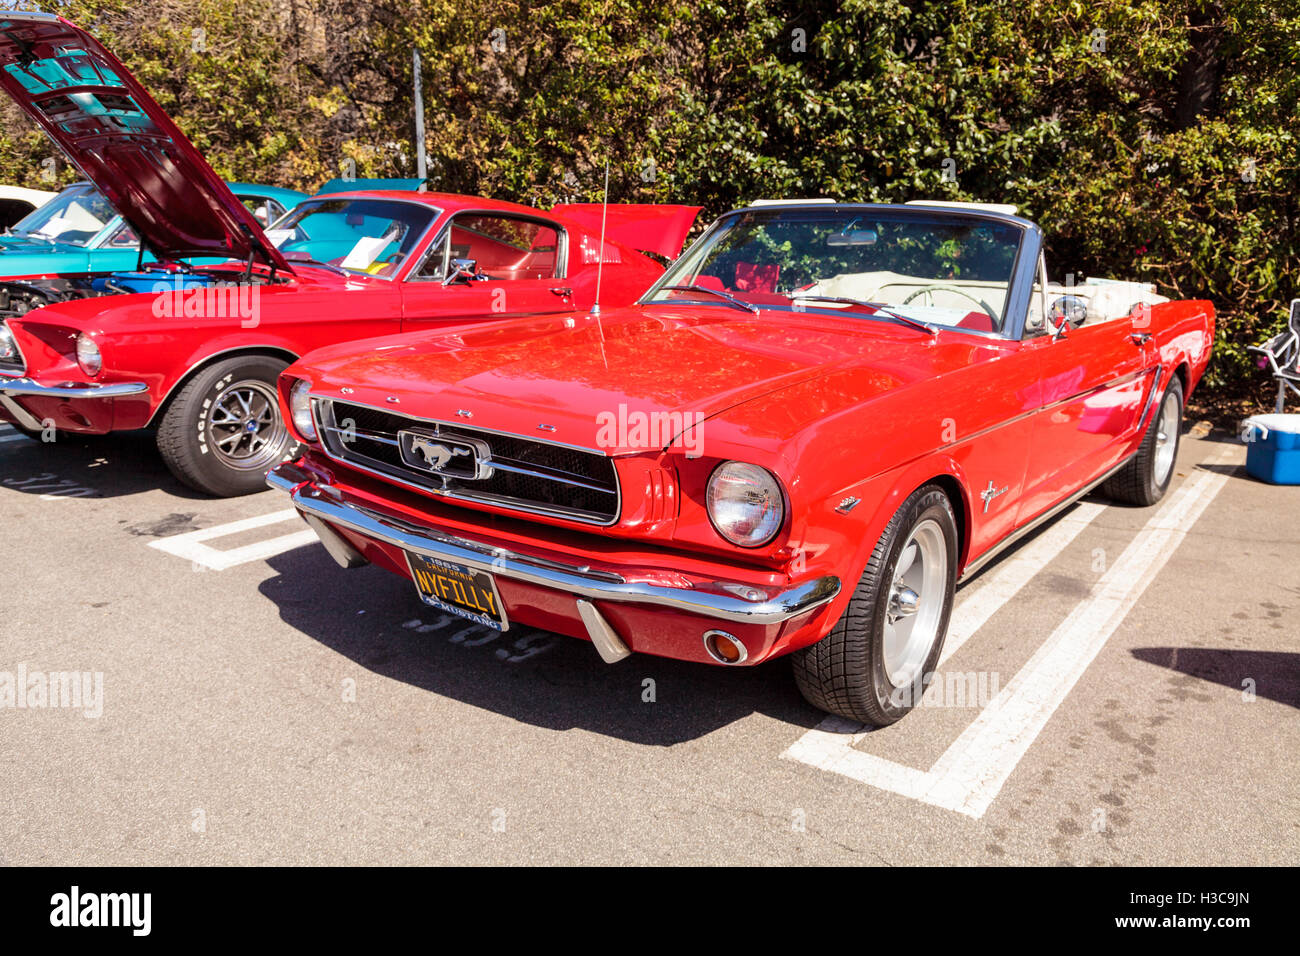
x,y
25,386
324,504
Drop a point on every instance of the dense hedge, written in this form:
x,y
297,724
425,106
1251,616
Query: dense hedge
x,y
1153,140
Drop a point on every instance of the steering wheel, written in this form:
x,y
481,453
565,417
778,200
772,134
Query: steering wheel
x,y
984,306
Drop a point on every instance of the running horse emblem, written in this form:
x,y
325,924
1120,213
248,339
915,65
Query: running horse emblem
x,y
436,455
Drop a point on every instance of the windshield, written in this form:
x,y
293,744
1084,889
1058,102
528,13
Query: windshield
x,y
367,236
921,266
75,216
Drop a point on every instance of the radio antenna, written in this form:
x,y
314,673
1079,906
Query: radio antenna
x,y
600,262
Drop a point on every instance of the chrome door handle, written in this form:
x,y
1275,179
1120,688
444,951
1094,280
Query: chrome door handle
x,y
560,290
1140,338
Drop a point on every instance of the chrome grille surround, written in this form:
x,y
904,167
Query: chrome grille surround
x,y
521,474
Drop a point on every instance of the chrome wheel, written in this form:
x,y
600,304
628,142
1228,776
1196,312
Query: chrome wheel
x,y
915,604
244,429
1166,437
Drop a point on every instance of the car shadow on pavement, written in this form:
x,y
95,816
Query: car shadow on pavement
x,y
548,680
1273,675
91,466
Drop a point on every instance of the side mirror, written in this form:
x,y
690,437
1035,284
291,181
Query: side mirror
x,y
461,270
1069,311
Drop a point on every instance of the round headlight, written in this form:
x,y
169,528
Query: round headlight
x,y
88,356
300,409
745,503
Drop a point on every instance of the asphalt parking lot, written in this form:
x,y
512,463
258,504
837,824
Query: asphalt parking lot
x,y
1140,675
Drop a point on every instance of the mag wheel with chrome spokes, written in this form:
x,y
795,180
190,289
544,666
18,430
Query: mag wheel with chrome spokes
x,y
878,658
223,431
1145,477
245,429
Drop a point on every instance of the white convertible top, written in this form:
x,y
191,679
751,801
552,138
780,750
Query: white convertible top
x,y
1005,208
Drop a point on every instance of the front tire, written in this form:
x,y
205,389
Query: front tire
x,y
223,431
1145,477
879,657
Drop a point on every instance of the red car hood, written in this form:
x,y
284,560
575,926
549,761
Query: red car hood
x,y
574,371
122,141
646,227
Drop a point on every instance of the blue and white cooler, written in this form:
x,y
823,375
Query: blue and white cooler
x,y
1273,448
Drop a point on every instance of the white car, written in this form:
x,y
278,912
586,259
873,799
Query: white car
x,y
16,202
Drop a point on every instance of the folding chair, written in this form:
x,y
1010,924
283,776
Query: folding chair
x,y
1281,356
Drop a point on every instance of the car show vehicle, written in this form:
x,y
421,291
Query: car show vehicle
x,y
191,345
798,441
78,236
19,201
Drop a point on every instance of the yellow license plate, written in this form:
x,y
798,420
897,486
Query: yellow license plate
x,y
458,590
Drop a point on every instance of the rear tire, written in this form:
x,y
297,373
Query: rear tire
x,y
879,657
223,431
1145,477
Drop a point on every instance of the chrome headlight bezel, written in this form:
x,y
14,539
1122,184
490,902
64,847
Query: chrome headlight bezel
x,y
733,488
300,410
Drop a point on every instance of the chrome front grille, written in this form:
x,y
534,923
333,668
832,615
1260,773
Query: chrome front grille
x,y
505,470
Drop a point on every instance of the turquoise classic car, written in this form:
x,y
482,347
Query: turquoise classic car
x,y
80,233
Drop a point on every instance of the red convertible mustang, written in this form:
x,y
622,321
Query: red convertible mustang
x,y
797,442
194,351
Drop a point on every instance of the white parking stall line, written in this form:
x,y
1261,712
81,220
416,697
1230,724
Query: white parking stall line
x,y
1001,584
192,545
970,773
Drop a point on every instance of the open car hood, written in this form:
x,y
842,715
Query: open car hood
x,y
111,129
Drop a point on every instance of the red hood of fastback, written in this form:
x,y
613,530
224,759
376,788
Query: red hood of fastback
x,y
111,129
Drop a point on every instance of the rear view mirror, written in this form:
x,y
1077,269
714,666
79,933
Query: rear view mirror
x,y
854,237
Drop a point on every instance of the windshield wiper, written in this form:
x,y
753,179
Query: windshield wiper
x,y
876,306
324,265
740,304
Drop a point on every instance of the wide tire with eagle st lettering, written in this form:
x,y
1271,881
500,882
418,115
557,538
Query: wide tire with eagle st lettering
x,y
223,430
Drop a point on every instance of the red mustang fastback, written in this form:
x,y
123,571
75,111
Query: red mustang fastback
x,y
797,442
194,350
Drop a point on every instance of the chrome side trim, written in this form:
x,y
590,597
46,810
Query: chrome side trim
x,y
608,644
25,386
325,503
996,549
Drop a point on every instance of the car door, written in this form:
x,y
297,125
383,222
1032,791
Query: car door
x,y
1095,379
518,264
